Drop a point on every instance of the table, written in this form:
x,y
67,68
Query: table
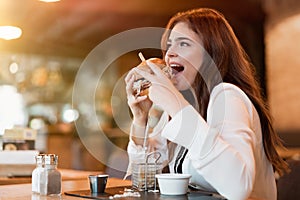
x,y
66,174
23,191
75,180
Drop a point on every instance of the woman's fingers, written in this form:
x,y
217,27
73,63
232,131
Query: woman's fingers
x,y
148,76
129,75
156,70
132,100
141,98
129,80
129,83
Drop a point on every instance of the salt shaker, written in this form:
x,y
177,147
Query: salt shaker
x,y
50,180
36,173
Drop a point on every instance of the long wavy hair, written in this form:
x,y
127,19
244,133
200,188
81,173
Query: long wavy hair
x,y
234,66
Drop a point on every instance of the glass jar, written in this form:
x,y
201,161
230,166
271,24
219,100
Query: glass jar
x,y
50,180
36,173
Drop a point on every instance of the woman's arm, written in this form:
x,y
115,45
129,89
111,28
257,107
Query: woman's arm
x,y
221,148
155,142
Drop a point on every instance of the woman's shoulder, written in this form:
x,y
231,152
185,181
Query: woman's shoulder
x,y
228,89
229,97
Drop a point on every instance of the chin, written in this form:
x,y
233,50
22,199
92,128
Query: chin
x,y
181,83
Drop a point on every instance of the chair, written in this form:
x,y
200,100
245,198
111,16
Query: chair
x,y
288,186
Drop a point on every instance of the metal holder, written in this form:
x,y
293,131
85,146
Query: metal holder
x,y
143,174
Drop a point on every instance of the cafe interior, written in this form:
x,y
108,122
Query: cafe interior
x,y
62,78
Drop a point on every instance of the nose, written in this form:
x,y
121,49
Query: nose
x,y
171,53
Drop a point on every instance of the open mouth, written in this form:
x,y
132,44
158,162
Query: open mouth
x,y
176,68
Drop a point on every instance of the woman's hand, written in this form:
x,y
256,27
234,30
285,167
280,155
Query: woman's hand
x,y
162,92
140,105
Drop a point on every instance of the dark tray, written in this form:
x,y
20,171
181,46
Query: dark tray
x,y
192,194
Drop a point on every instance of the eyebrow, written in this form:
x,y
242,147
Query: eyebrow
x,y
181,38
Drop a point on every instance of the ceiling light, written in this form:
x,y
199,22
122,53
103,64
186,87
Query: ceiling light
x,y
10,32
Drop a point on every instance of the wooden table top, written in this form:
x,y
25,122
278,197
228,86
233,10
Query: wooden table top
x,y
23,191
66,174
76,182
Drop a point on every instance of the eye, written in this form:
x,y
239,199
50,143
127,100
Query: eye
x,y
184,44
168,46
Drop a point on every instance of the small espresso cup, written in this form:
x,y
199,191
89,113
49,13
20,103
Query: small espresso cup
x,y
98,183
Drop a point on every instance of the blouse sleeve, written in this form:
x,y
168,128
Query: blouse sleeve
x,y
221,148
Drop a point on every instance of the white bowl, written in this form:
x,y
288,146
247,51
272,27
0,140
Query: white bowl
x,y
173,184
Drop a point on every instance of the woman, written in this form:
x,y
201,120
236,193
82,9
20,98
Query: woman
x,y
226,140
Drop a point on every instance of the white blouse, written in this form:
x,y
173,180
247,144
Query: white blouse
x,y
225,153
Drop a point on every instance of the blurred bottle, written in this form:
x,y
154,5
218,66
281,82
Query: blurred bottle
x,y
36,174
50,180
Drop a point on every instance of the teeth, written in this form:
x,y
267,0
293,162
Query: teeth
x,y
175,65
176,68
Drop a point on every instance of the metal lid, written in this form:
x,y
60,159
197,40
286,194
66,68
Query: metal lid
x,y
51,159
39,158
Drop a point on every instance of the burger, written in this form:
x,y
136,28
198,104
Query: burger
x,y
141,85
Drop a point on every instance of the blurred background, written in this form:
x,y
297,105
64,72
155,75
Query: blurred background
x,y
38,67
